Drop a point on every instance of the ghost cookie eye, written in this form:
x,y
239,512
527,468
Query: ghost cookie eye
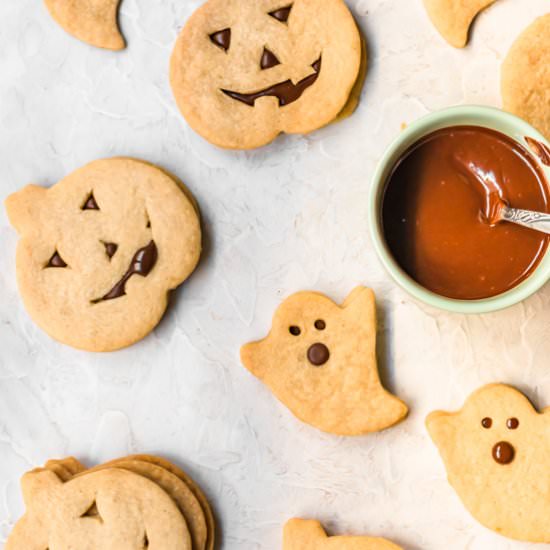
x,y
281,14
487,422
320,324
222,39
512,423
294,330
56,261
90,203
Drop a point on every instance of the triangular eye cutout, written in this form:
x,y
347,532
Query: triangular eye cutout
x,y
90,203
281,14
222,39
92,512
269,59
56,261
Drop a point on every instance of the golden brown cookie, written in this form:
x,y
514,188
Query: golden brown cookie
x,y
129,513
496,450
302,534
453,18
205,505
173,486
320,361
100,251
92,21
243,71
526,76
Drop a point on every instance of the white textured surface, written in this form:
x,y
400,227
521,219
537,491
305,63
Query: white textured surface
x,y
280,219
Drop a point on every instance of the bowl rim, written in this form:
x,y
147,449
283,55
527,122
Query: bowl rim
x,y
477,115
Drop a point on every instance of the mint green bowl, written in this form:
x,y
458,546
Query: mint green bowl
x,y
469,115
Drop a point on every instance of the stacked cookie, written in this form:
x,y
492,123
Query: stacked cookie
x,y
131,503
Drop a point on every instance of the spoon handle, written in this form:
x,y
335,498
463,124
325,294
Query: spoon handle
x,y
527,218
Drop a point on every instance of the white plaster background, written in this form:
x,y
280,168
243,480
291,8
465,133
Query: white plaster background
x,y
286,217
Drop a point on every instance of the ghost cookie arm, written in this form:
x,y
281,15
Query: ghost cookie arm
x,y
303,534
453,18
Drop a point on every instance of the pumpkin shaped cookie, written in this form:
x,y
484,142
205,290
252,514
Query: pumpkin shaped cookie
x,y
243,71
104,510
100,251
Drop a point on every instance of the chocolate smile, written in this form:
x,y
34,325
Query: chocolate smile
x,y
142,264
286,92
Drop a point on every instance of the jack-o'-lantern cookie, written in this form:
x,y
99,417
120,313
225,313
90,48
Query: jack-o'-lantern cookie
x,y
101,510
453,18
92,21
320,361
497,454
100,251
526,76
243,71
303,534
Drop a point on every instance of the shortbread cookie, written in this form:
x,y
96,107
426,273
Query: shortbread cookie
x,y
497,454
173,486
453,18
243,71
100,251
320,361
526,76
129,512
92,21
302,534
197,491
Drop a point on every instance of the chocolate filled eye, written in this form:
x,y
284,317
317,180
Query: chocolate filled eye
x,y
91,203
110,249
320,324
487,423
281,14
56,261
222,39
512,423
294,330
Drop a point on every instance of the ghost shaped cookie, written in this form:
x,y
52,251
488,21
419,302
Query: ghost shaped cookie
x,y
100,250
497,454
453,18
243,71
101,510
303,534
92,21
320,361
526,77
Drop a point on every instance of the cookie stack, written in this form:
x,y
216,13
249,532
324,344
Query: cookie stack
x,y
131,503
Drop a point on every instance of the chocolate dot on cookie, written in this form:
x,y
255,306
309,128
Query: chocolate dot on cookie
x,y
487,422
294,330
320,324
512,423
222,39
282,14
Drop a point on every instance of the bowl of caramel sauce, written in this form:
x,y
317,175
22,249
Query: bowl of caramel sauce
x,y
432,209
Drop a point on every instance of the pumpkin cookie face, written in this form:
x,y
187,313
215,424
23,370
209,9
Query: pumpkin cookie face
x,y
99,511
244,71
320,361
496,450
100,250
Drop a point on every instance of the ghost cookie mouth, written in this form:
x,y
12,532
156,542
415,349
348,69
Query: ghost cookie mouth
x,y
286,92
142,264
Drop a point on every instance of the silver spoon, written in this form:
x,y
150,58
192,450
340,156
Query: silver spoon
x,y
527,218
496,209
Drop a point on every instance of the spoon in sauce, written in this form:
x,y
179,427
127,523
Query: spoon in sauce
x,y
495,207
